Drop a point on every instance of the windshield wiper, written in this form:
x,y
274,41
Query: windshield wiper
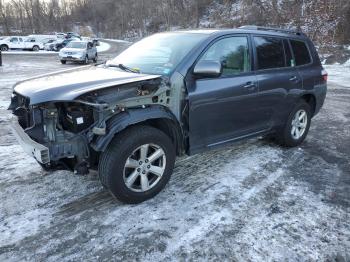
x,y
124,68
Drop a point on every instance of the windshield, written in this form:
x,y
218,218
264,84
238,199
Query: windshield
x,y
78,45
159,53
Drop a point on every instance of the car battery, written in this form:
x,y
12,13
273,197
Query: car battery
x,y
77,119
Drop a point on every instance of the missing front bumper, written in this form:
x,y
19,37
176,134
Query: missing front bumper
x,y
34,149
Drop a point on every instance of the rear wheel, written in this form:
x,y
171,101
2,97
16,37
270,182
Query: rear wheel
x,y
63,62
95,59
137,164
297,126
4,48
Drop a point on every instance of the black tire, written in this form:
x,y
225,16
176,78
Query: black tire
x,y
63,62
112,161
284,136
95,59
36,48
4,48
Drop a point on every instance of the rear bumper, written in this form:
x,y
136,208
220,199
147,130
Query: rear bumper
x,y
31,147
320,93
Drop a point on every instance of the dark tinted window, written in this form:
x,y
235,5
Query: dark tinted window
x,y
232,52
287,51
270,52
301,53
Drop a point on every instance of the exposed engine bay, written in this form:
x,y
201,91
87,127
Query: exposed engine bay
x,y
69,128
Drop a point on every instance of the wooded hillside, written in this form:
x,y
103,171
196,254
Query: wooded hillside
x,y
325,21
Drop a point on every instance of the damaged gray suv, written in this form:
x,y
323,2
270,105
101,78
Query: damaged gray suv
x,y
168,95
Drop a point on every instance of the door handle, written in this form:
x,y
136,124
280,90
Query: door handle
x,y
294,79
250,85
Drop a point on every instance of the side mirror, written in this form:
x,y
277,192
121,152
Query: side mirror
x,y
208,68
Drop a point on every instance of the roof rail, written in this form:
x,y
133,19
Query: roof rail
x,y
287,31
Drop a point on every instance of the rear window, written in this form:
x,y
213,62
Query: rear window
x,y
301,52
270,52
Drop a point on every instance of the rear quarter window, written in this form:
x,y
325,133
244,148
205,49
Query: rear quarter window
x,y
301,52
270,52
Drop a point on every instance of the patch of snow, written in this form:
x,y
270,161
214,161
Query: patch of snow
x,y
339,74
118,40
4,104
103,47
347,63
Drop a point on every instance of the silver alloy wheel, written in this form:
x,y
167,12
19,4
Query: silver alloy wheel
x,y
144,168
35,48
299,124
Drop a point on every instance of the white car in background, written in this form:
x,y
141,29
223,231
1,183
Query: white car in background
x,y
78,51
20,42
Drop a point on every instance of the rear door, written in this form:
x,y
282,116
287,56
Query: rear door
x,y
277,78
223,108
308,69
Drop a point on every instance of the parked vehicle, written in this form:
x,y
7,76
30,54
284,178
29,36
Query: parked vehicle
x,y
167,95
48,41
51,46
42,38
61,44
78,51
73,35
60,35
20,42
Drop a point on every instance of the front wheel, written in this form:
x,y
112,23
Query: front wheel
x,y
36,48
63,62
137,164
86,61
4,48
296,127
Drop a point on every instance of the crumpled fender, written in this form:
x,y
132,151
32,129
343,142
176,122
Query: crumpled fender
x,y
130,117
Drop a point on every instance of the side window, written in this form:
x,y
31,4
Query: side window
x,y
270,52
232,52
14,40
289,58
301,52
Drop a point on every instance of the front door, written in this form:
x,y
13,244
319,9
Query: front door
x,y
223,109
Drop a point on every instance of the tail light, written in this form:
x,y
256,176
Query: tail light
x,y
324,75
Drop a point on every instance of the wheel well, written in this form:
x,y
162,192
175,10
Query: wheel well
x,y
311,100
169,128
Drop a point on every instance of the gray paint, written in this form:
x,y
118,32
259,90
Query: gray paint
x,y
68,85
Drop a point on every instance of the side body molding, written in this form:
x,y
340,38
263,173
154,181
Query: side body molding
x,y
133,116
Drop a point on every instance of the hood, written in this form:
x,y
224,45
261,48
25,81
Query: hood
x,y
69,84
73,50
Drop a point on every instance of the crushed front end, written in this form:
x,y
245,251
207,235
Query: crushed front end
x,y
62,134
53,133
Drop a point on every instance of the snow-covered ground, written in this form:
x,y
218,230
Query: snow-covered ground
x,y
252,201
103,47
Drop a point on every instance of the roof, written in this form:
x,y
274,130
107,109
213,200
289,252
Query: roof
x,y
250,30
